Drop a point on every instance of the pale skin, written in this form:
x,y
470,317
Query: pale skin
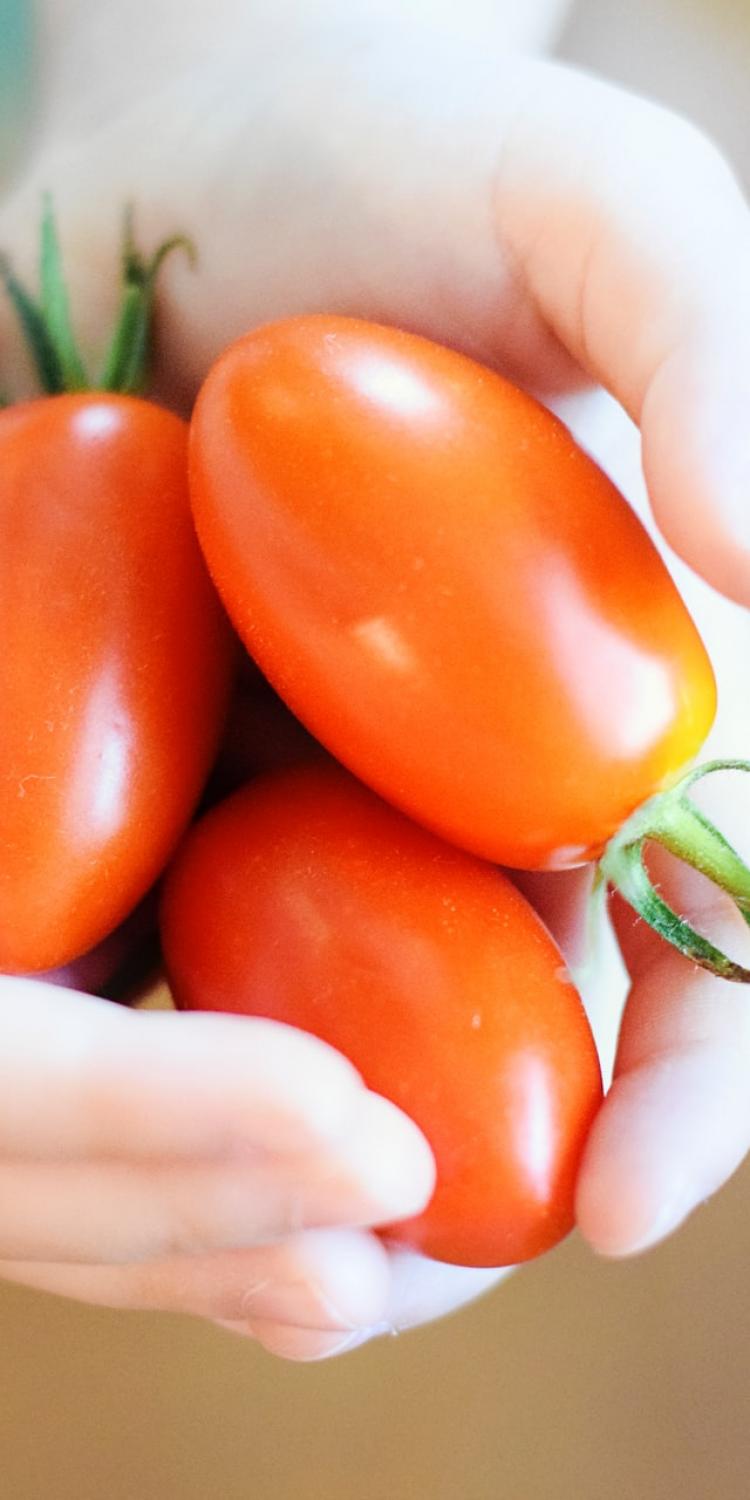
x,y
418,166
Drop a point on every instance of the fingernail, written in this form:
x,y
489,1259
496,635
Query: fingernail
x,y
353,1341
301,1303
305,1345
671,1215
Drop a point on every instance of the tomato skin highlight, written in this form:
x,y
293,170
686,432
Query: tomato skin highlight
x,y
306,899
444,588
115,664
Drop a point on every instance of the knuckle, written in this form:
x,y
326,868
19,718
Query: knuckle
x,y
221,1211
196,1226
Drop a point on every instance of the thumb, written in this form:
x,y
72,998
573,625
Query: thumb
x,y
676,1121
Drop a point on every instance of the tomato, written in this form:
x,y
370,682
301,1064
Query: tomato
x,y
444,588
115,661
306,899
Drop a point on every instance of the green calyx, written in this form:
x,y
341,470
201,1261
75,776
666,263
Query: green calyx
x,y
672,820
47,324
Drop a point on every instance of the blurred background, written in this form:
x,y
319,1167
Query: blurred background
x,y
575,1379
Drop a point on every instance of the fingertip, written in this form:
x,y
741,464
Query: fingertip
x,y
616,1204
391,1158
669,1134
306,1345
298,1345
349,1273
231,1325
696,454
327,1292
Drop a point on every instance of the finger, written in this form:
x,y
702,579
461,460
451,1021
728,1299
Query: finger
x,y
120,1212
676,1122
80,1078
419,1291
322,1281
302,1345
633,237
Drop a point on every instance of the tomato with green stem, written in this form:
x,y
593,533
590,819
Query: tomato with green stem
x,y
455,600
115,654
306,899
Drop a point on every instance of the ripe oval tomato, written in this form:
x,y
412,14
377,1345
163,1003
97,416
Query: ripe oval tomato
x,y
114,667
306,899
445,589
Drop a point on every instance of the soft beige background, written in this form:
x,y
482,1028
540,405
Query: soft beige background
x,y
575,1381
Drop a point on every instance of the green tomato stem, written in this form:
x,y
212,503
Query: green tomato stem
x,y
126,362
46,321
672,820
36,333
54,307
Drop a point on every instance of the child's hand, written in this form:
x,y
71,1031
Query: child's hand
x,y
355,158
204,1164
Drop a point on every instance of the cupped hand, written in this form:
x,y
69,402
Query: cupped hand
x,y
230,1168
573,236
